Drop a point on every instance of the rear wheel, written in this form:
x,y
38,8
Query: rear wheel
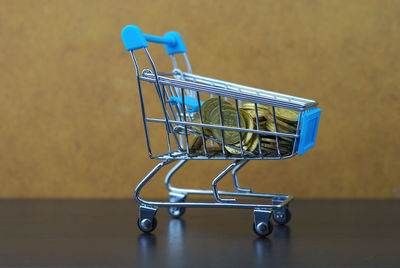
x,y
282,215
176,211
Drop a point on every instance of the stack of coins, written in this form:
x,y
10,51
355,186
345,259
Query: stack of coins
x,y
211,114
286,122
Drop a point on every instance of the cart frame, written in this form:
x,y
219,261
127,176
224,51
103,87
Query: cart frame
x,y
177,87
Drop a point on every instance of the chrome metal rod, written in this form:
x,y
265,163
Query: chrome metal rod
x,y
276,129
238,121
209,192
147,178
285,198
222,123
226,193
141,103
179,155
188,67
299,122
217,179
164,107
261,132
201,122
237,87
184,119
235,179
171,173
258,128
216,205
260,97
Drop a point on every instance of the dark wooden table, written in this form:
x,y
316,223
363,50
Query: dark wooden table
x,y
103,233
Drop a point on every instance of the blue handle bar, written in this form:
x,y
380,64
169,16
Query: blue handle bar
x,y
159,39
133,39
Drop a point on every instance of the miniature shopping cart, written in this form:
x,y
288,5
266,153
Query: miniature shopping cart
x,y
181,118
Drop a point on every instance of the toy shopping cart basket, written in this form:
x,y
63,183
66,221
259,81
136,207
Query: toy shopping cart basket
x,y
208,119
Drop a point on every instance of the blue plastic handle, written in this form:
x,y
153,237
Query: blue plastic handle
x,y
159,39
191,103
133,38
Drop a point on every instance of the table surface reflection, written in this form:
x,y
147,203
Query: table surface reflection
x,y
103,233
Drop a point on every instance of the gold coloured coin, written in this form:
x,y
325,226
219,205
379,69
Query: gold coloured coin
x,y
291,140
270,126
229,119
209,105
250,108
249,125
283,114
196,119
253,143
273,140
281,124
286,115
247,136
196,143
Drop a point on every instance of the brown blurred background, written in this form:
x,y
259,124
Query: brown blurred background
x,y
69,109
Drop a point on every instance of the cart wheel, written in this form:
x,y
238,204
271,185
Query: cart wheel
x,y
263,228
146,225
176,211
282,216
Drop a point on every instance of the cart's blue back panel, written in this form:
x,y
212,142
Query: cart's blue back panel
x,y
308,131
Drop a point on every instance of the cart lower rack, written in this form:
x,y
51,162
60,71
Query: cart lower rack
x,y
208,119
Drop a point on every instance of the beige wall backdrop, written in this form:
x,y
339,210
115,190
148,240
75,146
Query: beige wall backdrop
x,y
69,108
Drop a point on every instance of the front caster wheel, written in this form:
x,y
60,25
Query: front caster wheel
x,y
176,211
263,228
146,225
282,216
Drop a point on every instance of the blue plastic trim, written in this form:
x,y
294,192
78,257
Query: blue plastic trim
x,y
159,39
309,129
177,46
133,38
191,103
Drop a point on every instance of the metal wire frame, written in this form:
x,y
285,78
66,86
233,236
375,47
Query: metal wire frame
x,y
178,125
179,120
227,203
